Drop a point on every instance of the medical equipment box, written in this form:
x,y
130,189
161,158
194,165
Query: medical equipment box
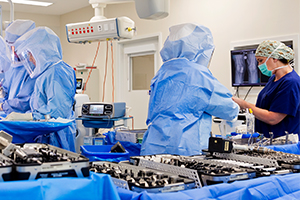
x,y
140,179
47,161
99,30
102,152
217,144
103,110
134,136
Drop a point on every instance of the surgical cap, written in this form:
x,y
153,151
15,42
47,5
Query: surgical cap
x,y
16,29
266,48
4,56
190,41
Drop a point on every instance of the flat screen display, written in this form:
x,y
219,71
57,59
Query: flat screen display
x,y
244,69
78,83
96,109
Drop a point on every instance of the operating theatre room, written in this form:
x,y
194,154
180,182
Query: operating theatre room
x,y
149,99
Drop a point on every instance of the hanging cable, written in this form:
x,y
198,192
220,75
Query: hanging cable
x,y
237,92
91,68
112,72
248,92
105,71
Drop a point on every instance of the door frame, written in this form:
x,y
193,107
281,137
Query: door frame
x,y
123,57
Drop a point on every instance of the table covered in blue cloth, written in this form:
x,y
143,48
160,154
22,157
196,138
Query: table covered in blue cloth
x,y
96,187
273,187
25,131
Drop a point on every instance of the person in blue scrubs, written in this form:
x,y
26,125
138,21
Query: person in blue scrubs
x,y
17,85
277,109
54,90
184,95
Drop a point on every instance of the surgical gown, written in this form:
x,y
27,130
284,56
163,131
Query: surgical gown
x,y
55,85
184,96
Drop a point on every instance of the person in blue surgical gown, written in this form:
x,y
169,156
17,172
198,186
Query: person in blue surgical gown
x,y
184,95
5,63
17,85
54,90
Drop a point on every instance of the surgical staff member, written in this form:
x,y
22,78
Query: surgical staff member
x,y
185,95
17,86
278,104
5,60
54,90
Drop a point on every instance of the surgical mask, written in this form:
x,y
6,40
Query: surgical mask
x,y
263,67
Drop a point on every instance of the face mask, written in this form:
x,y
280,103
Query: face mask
x,y
263,67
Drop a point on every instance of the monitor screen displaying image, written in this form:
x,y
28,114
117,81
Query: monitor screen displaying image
x,y
244,69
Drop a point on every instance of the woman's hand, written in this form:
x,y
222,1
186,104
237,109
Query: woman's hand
x,y
242,103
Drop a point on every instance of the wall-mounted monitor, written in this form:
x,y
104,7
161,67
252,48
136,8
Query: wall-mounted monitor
x,y
244,67
79,85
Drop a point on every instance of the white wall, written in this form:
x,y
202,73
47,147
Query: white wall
x,y
51,21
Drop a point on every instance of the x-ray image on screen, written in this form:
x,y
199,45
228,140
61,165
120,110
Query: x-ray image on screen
x,y
244,69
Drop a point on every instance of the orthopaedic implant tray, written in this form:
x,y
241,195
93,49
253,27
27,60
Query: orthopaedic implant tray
x,y
285,160
34,160
209,171
140,179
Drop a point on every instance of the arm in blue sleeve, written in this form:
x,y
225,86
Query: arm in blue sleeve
x,y
221,105
20,103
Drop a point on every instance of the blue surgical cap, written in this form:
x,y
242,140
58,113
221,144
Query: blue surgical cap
x,y
16,29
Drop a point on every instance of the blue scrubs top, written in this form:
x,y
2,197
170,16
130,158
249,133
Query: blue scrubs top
x,y
282,96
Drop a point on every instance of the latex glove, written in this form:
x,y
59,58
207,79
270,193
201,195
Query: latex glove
x,y
14,116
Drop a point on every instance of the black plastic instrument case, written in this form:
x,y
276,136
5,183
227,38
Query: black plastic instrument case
x,y
6,168
47,161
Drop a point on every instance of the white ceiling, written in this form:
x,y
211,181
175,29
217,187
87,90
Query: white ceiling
x,y
58,7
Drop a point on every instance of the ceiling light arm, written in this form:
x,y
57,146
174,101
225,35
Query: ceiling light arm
x,y
11,10
99,10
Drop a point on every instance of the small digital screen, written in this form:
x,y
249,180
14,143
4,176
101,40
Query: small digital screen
x,y
96,109
78,83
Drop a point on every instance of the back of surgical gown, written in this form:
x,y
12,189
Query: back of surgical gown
x,y
184,95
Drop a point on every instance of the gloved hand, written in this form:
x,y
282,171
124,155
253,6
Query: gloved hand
x,y
1,108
